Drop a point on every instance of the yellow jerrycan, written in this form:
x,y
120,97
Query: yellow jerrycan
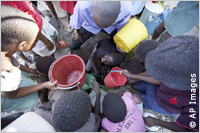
x,y
131,35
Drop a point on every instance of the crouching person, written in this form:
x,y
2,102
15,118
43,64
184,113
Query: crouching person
x,y
72,111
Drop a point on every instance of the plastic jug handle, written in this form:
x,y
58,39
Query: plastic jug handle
x,y
118,72
67,88
115,71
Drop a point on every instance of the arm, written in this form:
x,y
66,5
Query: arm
x,y
164,37
150,121
24,58
46,41
145,73
148,79
96,88
77,35
38,10
51,7
76,20
24,91
93,65
158,30
29,70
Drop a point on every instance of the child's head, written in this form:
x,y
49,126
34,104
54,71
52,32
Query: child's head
x,y
112,59
105,13
175,62
18,30
71,111
143,48
114,107
43,64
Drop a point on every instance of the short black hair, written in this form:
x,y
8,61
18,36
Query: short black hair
x,y
146,46
114,107
106,9
43,64
71,111
16,26
117,58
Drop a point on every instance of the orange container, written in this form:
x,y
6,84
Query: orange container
x,y
69,70
115,78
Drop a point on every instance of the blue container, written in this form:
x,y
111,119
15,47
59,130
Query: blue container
x,y
151,25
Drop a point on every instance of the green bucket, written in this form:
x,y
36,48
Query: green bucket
x,y
88,85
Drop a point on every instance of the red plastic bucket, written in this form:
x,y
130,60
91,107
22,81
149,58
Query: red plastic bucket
x,y
115,78
69,70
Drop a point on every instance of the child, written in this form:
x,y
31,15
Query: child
x,y
122,113
45,45
179,21
71,111
136,66
19,32
174,65
90,17
105,57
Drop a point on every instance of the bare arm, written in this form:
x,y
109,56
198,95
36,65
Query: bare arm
x,y
24,58
93,64
158,30
38,10
77,35
51,7
24,91
29,70
145,78
145,73
46,41
150,121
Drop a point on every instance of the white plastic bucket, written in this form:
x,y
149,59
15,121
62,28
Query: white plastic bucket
x,y
150,9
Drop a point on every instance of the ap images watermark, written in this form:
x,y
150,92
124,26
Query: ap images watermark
x,y
193,101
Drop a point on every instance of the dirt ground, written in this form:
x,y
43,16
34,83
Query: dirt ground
x,y
87,48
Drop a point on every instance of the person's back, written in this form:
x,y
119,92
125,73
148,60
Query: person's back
x,y
71,112
178,75
122,114
170,81
90,17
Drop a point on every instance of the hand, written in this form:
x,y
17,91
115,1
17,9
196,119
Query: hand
x,y
77,36
50,85
127,73
150,121
164,37
95,86
49,45
132,81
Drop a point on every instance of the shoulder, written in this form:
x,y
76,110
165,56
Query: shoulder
x,y
83,5
126,6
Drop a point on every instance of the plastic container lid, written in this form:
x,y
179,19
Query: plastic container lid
x,y
155,8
